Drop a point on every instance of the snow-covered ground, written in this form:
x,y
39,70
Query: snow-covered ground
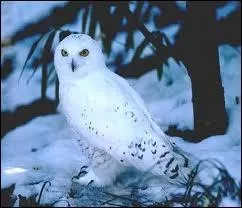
x,y
43,149
16,15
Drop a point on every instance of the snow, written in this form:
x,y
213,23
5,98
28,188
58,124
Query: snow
x,y
228,202
16,91
169,98
182,5
15,22
227,9
49,153
171,31
43,149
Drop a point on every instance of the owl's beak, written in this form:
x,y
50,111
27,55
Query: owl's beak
x,y
73,65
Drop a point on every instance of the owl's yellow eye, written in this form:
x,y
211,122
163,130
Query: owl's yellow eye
x,y
84,52
64,52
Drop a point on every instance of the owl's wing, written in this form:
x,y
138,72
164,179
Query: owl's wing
x,y
147,150
137,99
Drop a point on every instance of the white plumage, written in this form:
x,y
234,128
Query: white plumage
x,y
101,107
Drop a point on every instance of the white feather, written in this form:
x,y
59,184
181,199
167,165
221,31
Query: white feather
x,y
102,107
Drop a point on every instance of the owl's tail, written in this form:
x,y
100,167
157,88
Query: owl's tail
x,y
187,163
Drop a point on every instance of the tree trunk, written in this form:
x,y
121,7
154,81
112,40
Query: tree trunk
x,y
200,55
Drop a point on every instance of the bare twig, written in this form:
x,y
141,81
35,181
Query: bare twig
x,y
125,198
42,189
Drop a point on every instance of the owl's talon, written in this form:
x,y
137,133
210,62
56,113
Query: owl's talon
x,y
82,173
91,181
144,188
75,177
84,167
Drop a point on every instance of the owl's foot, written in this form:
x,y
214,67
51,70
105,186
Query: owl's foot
x,y
81,173
87,178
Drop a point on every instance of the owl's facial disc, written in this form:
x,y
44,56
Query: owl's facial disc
x,y
76,56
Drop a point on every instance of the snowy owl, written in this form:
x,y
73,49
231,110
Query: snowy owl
x,y
109,118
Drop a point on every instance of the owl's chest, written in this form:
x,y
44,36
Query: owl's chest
x,y
87,102
90,96
89,111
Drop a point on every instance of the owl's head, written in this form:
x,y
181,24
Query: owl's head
x,y
76,56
